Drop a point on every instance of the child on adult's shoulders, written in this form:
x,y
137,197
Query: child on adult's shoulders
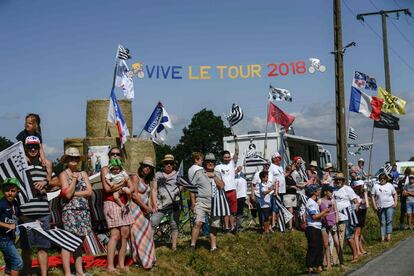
x,y
9,213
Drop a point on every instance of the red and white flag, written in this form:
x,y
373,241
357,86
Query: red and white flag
x,y
276,115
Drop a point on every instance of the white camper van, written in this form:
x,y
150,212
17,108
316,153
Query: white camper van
x,y
252,149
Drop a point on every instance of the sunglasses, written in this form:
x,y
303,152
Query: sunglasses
x,y
30,147
146,166
73,158
115,154
169,163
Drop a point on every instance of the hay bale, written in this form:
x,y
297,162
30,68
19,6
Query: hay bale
x,y
97,114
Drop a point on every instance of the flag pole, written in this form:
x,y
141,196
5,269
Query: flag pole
x,y
267,124
370,151
113,84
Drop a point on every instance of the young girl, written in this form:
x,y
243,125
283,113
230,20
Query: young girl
x,y
32,128
265,191
118,177
329,224
408,191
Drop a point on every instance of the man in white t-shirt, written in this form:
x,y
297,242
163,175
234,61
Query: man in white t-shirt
x,y
227,169
241,192
278,174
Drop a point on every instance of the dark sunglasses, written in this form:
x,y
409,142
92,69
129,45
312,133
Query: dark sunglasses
x,y
169,163
30,147
146,166
73,158
115,154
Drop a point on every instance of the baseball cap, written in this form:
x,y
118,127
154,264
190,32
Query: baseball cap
x,y
32,140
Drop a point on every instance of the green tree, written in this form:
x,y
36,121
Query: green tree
x,y
412,158
4,143
204,134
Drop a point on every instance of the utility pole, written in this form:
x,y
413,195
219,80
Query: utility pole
x,y
341,141
384,14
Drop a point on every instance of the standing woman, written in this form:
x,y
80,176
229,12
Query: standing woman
x,y
118,219
384,199
144,202
76,189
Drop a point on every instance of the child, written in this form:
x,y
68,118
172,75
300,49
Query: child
x,y
408,191
265,191
8,218
361,191
118,177
32,128
329,223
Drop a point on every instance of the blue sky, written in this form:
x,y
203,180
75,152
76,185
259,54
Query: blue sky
x,y
58,54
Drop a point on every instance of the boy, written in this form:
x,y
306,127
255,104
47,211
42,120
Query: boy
x,y
408,191
265,190
8,221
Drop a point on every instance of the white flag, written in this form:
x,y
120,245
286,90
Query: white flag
x,y
124,81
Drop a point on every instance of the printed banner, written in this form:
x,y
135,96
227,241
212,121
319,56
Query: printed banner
x,y
98,156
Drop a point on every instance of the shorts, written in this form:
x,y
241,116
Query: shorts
x,y
290,201
232,200
267,212
410,207
329,229
349,229
203,210
11,256
32,239
361,215
273,206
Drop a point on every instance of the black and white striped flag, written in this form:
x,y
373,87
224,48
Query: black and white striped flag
x,y
352,133
255,160
284,215
123,53
235,116
219,205
302,171
13,164
279,94
60,237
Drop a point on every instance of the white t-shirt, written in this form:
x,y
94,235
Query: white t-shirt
x,y
192,170
384,195
343,198
256,181
312,208
241,187
278,175
228,174
265,202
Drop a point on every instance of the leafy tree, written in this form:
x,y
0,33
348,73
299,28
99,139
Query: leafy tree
x,y
412,158
204,134
4,143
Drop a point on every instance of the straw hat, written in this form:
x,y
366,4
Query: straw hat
x,y
71,152
147,161
168,157
339,176
328,165
313,164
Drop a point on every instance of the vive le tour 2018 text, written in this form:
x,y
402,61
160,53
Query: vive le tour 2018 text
x,y
207,72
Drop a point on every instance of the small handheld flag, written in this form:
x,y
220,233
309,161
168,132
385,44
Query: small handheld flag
x,y
235,116
352,133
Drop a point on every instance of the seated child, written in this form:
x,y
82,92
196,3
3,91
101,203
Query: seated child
x,y
118,177
8,221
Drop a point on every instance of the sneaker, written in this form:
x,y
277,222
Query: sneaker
x,y
214,249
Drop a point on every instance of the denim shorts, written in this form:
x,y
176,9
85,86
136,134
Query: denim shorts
x,y
410,207
273,205
11,256
30,238
349,230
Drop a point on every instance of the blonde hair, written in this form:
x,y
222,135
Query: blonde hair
x,y
35,118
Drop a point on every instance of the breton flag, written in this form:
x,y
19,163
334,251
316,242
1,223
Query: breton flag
x,y
279,94
124,81
123,53
364,104
276,115
388,121
392,104
62,238
158,123
13,164
363,81
235,116
115,116
352,133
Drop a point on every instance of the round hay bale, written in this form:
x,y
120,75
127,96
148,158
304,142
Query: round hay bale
x,y
97,114
135,151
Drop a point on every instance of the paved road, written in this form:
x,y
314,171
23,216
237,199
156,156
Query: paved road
x,y
397,261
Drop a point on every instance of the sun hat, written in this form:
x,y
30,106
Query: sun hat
x,y
147,161
311,189
339,176
32,140
71,152
328,165
358,183
313,164
210,157
115,163
11,181
168,157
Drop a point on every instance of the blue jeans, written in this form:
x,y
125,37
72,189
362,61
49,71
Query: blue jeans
x,y
11,256
386,216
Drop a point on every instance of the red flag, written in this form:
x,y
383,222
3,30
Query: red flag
x,y
276,115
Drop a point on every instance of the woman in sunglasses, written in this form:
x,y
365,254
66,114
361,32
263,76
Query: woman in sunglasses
x,y
118,219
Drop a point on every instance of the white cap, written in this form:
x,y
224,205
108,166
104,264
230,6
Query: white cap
x,y
361,160
276,154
